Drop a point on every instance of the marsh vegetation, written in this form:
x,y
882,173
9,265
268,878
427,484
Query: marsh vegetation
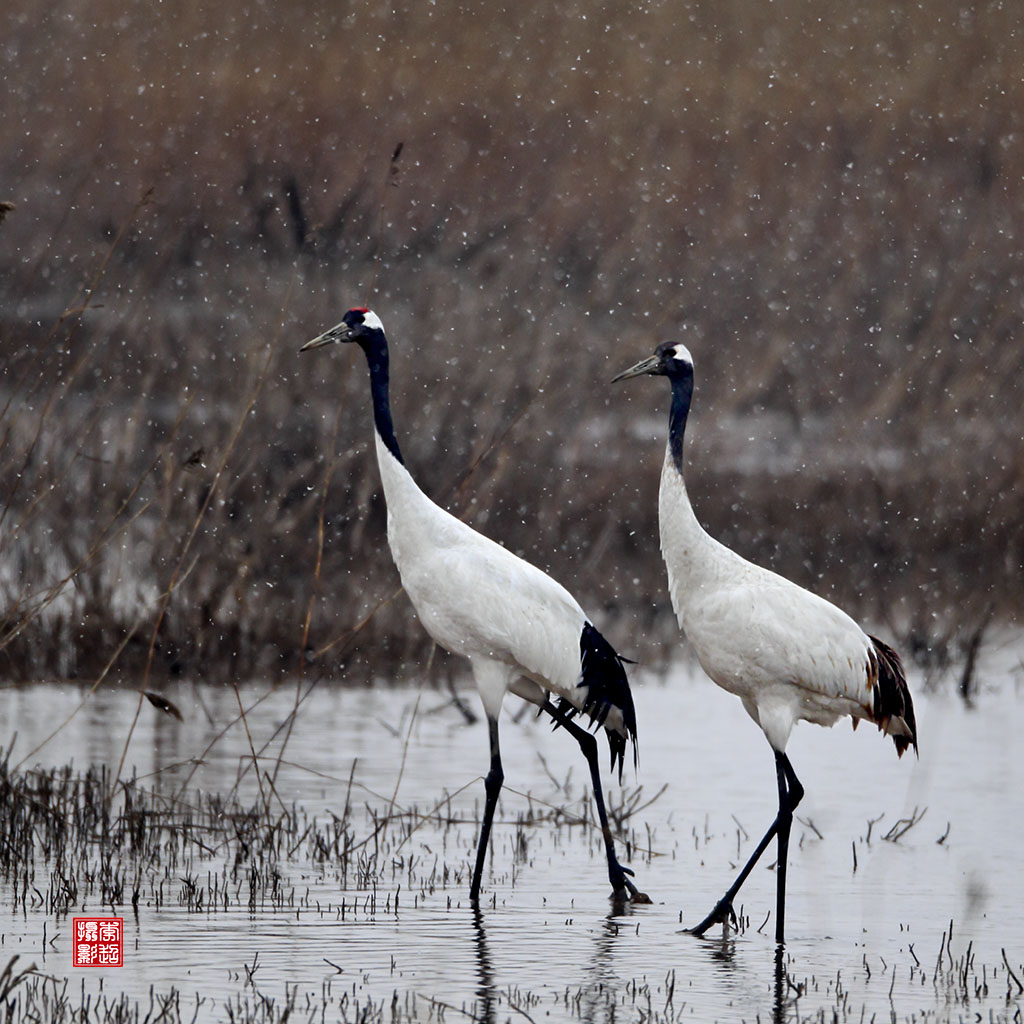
x,y
826,208
323,872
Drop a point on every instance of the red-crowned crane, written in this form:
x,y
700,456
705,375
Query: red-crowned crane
x,y
521,631
785,652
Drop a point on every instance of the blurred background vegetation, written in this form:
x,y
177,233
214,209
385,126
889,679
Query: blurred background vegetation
x,y
823,200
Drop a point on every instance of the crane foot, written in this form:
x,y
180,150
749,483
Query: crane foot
x,y
722,914
625,891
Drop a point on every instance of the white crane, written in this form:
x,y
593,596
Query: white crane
x,y
521,631
785,652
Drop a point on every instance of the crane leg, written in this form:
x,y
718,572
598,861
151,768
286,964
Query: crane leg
x,y
790,785
622,887
492,787
790,794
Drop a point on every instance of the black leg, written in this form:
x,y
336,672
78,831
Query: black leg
x,y
622,887
790,794
492,786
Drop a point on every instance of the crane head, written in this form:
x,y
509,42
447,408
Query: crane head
x,y
670,359
356,324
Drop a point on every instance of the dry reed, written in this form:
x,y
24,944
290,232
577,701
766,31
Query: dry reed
x,y
825,207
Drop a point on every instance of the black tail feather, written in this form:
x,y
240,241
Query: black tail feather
x,y
607,687
892,695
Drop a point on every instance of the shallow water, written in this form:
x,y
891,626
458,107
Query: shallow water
x,y
865,943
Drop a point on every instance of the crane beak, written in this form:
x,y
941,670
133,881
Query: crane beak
x,y
340,332
650,365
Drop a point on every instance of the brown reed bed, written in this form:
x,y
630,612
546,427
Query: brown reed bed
x,y
830,225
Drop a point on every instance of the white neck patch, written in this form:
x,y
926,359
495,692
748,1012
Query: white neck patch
x,y
682,353
371,320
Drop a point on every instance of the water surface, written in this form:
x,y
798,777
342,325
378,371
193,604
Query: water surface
x,y
868,920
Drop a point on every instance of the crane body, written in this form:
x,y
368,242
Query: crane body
x,y
477,599
789,655
520,630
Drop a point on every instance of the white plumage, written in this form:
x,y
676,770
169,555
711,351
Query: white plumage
x,y
520,630
477,599
788,654
785,652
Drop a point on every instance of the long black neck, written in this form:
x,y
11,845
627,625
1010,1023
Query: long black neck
x,y
682,393
375,348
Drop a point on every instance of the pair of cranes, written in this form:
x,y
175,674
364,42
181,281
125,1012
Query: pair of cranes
x,y
786,653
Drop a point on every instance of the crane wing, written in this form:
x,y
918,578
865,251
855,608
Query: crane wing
x,y
476,598
753,638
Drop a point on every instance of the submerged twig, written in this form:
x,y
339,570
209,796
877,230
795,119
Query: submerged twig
x,y
9,980
1009,971
904,825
